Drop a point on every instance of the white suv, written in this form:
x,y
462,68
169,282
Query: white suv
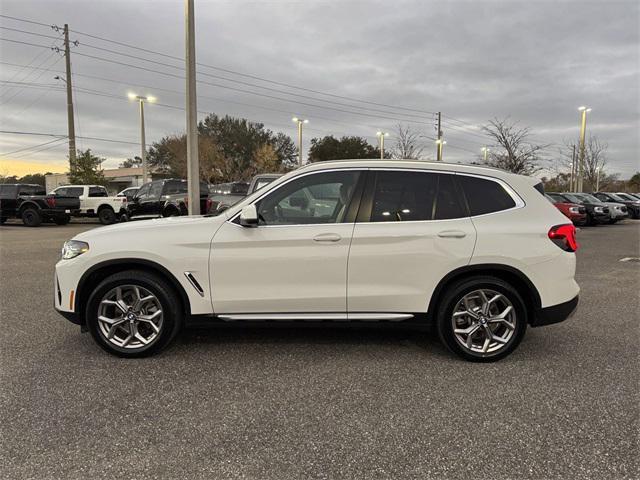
x,y
477,252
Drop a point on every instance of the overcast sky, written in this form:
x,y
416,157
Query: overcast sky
x,y
533,61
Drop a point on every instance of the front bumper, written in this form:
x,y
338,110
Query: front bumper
x,y
555,313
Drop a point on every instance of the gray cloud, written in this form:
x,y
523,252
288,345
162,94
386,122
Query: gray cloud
x,y
533,61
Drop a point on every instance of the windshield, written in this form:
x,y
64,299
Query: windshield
x,y
549,198
573,198
616,198
626,197
590,198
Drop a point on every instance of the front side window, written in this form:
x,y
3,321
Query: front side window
x,y
172,188
484,195
312,199
143,193
155,190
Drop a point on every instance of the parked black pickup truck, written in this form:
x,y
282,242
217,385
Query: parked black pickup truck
x,y
164,198
32,204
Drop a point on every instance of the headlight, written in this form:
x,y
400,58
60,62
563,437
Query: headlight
x,y
598,209
574,209
73,248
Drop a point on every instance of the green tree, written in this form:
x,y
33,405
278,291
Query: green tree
x,y
634,182
34,178
331,148
86,169
231,144
131,162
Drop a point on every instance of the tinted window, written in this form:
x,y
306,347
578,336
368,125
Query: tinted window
x,y
573,199
557,197
7,191
173,188
404,196
31,190
143,192
155,189
311,199
485,196
448,202
70,192
98,192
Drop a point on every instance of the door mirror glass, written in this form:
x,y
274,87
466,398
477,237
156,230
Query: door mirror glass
x,y
249,216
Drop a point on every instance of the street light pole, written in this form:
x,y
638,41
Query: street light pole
x,y
485,151
583,128
440,142
381,136
143,146
300,122
193,161
71,130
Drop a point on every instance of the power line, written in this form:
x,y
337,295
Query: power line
x,y
31,147
26,21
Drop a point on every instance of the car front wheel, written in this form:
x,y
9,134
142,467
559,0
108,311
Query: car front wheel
x,y
133,314
482,319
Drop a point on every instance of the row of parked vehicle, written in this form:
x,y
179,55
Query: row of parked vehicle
x,y
596,208
156,199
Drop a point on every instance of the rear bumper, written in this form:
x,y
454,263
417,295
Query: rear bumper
x,y
555,313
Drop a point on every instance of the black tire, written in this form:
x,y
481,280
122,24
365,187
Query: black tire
x,y
124,217
62,220
31,217
169,300
171,212
107,216
2,220
612,221
454,295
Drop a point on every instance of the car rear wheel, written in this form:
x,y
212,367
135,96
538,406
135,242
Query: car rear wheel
x,y
31,217
2,220
107,216
482,319
133,314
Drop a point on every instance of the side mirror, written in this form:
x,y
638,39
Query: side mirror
x,y
249,216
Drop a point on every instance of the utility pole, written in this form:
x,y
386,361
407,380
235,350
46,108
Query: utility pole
x,y
300,122
583,128
193,164
70,121
439,141
598,170
381,136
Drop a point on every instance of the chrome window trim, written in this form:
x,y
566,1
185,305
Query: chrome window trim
x,y
519,202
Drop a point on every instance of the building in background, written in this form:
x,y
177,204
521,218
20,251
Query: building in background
x,y
117,179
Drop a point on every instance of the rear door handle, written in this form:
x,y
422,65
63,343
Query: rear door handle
x,y
327,237
452,234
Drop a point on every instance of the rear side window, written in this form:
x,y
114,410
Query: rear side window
x,y
410,196
404,196
484,195
7,191
173,188
98,192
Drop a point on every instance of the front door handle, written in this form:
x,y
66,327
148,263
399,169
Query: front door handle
x,y
327,237
452,234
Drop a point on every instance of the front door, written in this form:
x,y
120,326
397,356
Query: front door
x,y
295,260
412,229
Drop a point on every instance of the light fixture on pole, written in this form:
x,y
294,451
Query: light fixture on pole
x,y
583,129
143,148
300,122
440,142
485,152
381,136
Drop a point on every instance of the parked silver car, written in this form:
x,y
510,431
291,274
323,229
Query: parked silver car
x,y
617,211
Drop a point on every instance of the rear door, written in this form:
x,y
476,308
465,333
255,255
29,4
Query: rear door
x,y
8,200
412,229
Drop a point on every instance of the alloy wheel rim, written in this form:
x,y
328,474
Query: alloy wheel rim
x,y
130,316
484,321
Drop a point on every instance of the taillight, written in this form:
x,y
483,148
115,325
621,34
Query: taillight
x,y
209,203
564,236
51,201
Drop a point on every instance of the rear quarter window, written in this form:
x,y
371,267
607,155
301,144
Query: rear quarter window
x,y
484,195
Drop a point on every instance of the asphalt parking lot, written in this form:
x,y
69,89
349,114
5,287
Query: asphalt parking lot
x,y
311,403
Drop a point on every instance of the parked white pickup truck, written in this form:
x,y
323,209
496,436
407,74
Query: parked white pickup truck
x,y
95,202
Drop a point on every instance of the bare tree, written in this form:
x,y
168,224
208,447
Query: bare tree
x,y
512,150
407,143
595,160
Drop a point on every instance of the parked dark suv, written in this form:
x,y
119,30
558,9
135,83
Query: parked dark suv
x,y
164,198
596,212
